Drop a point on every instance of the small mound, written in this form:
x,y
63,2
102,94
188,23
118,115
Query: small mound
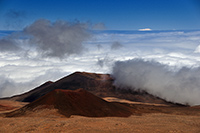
x,y
75,102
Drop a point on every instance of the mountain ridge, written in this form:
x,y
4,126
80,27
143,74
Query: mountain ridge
x,y
100,85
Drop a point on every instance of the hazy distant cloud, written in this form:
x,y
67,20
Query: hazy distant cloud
x,y
99,26
145,29
116,45
181,86
14,19
58,39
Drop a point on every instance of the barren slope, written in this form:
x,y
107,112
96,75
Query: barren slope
x,y
77,102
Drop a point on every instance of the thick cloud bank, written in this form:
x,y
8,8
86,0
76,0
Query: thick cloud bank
x,y
176,85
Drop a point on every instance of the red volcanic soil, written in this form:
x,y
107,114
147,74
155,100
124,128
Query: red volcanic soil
x,y
75,102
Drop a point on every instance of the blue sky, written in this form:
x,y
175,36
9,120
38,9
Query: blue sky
x,y
115,14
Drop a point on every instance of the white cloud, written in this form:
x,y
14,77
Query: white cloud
x,y
145,29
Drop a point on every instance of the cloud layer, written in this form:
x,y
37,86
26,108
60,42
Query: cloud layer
x,y
51,50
